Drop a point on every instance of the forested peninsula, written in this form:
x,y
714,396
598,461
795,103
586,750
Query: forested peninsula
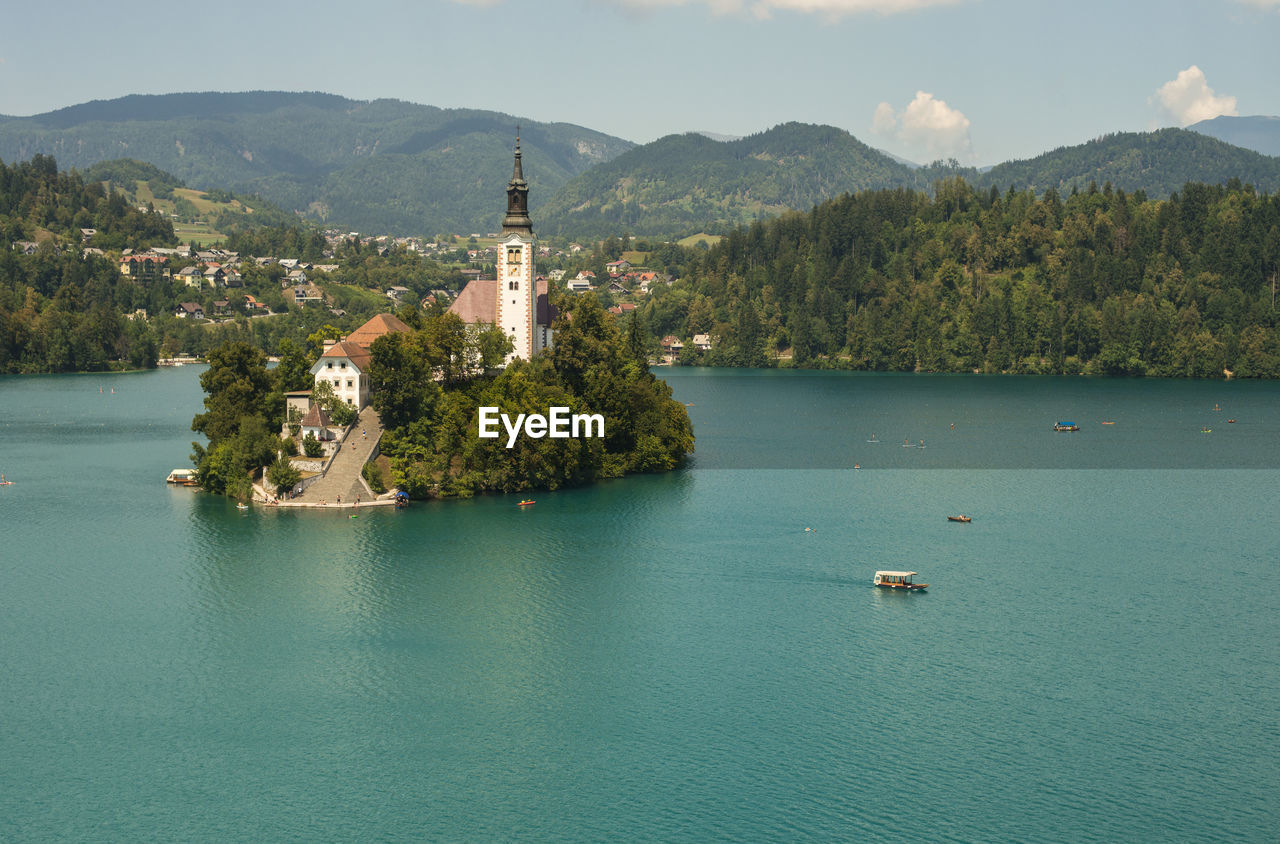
x,y
967,280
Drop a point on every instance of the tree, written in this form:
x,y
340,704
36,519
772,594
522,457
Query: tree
x,y
293,372
236,385
400,379
283,475
339,411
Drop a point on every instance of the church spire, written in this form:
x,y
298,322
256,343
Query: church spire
x,y
517,220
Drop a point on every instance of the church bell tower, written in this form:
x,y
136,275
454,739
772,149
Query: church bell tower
x,y
517,294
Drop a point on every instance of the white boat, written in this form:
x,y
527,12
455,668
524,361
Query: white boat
x,y
903,580
185,477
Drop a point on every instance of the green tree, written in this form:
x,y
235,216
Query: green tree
x,y
283,475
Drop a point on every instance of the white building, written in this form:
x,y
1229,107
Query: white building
x,y
345,363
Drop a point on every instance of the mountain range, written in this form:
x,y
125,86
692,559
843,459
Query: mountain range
x,y
385,166
395,167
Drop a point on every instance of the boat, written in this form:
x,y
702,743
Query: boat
x,y
1206,430
959,518
3,482
902,580
526,502
184,477
1108,423
242,506
1231,421
402,500
1065,426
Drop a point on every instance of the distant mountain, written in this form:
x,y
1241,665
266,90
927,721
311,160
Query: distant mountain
x,y
684,183
384,166
1260,134
1157,162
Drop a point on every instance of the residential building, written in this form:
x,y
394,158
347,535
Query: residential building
x,y
345,363
145,268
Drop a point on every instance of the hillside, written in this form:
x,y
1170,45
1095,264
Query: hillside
x,y
198,216
1260,134
686,183
1100,282
385,166
1158,163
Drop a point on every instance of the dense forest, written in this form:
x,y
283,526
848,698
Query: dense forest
x,y
978,280
62,308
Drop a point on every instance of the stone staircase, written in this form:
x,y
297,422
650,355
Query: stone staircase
x,y
343,483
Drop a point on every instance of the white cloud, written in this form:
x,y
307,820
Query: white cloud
x,y
766,8
884,121
1188,98
927,125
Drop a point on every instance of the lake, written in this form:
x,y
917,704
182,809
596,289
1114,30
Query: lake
x,y
692,656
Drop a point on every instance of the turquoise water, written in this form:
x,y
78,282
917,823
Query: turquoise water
x,y
669,657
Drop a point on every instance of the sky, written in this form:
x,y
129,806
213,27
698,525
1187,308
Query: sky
x,y
982,81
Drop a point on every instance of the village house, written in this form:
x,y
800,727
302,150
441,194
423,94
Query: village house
x,y
144,268
582,282
617,268
345,363
214,276
191,277
189,310
316,423
398,293
306,293
702,342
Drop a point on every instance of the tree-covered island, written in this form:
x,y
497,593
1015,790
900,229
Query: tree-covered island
x,y
427,385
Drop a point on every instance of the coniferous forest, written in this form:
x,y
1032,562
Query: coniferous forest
x,y
1098,282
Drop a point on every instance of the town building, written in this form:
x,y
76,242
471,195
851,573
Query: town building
x,y
345,363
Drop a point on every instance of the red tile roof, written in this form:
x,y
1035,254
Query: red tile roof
x,y
375,328
358,355
316,418
478,302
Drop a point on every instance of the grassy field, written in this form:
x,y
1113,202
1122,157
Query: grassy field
x,y
692,240
202,233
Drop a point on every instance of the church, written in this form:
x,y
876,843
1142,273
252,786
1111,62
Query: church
x,y
516,301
